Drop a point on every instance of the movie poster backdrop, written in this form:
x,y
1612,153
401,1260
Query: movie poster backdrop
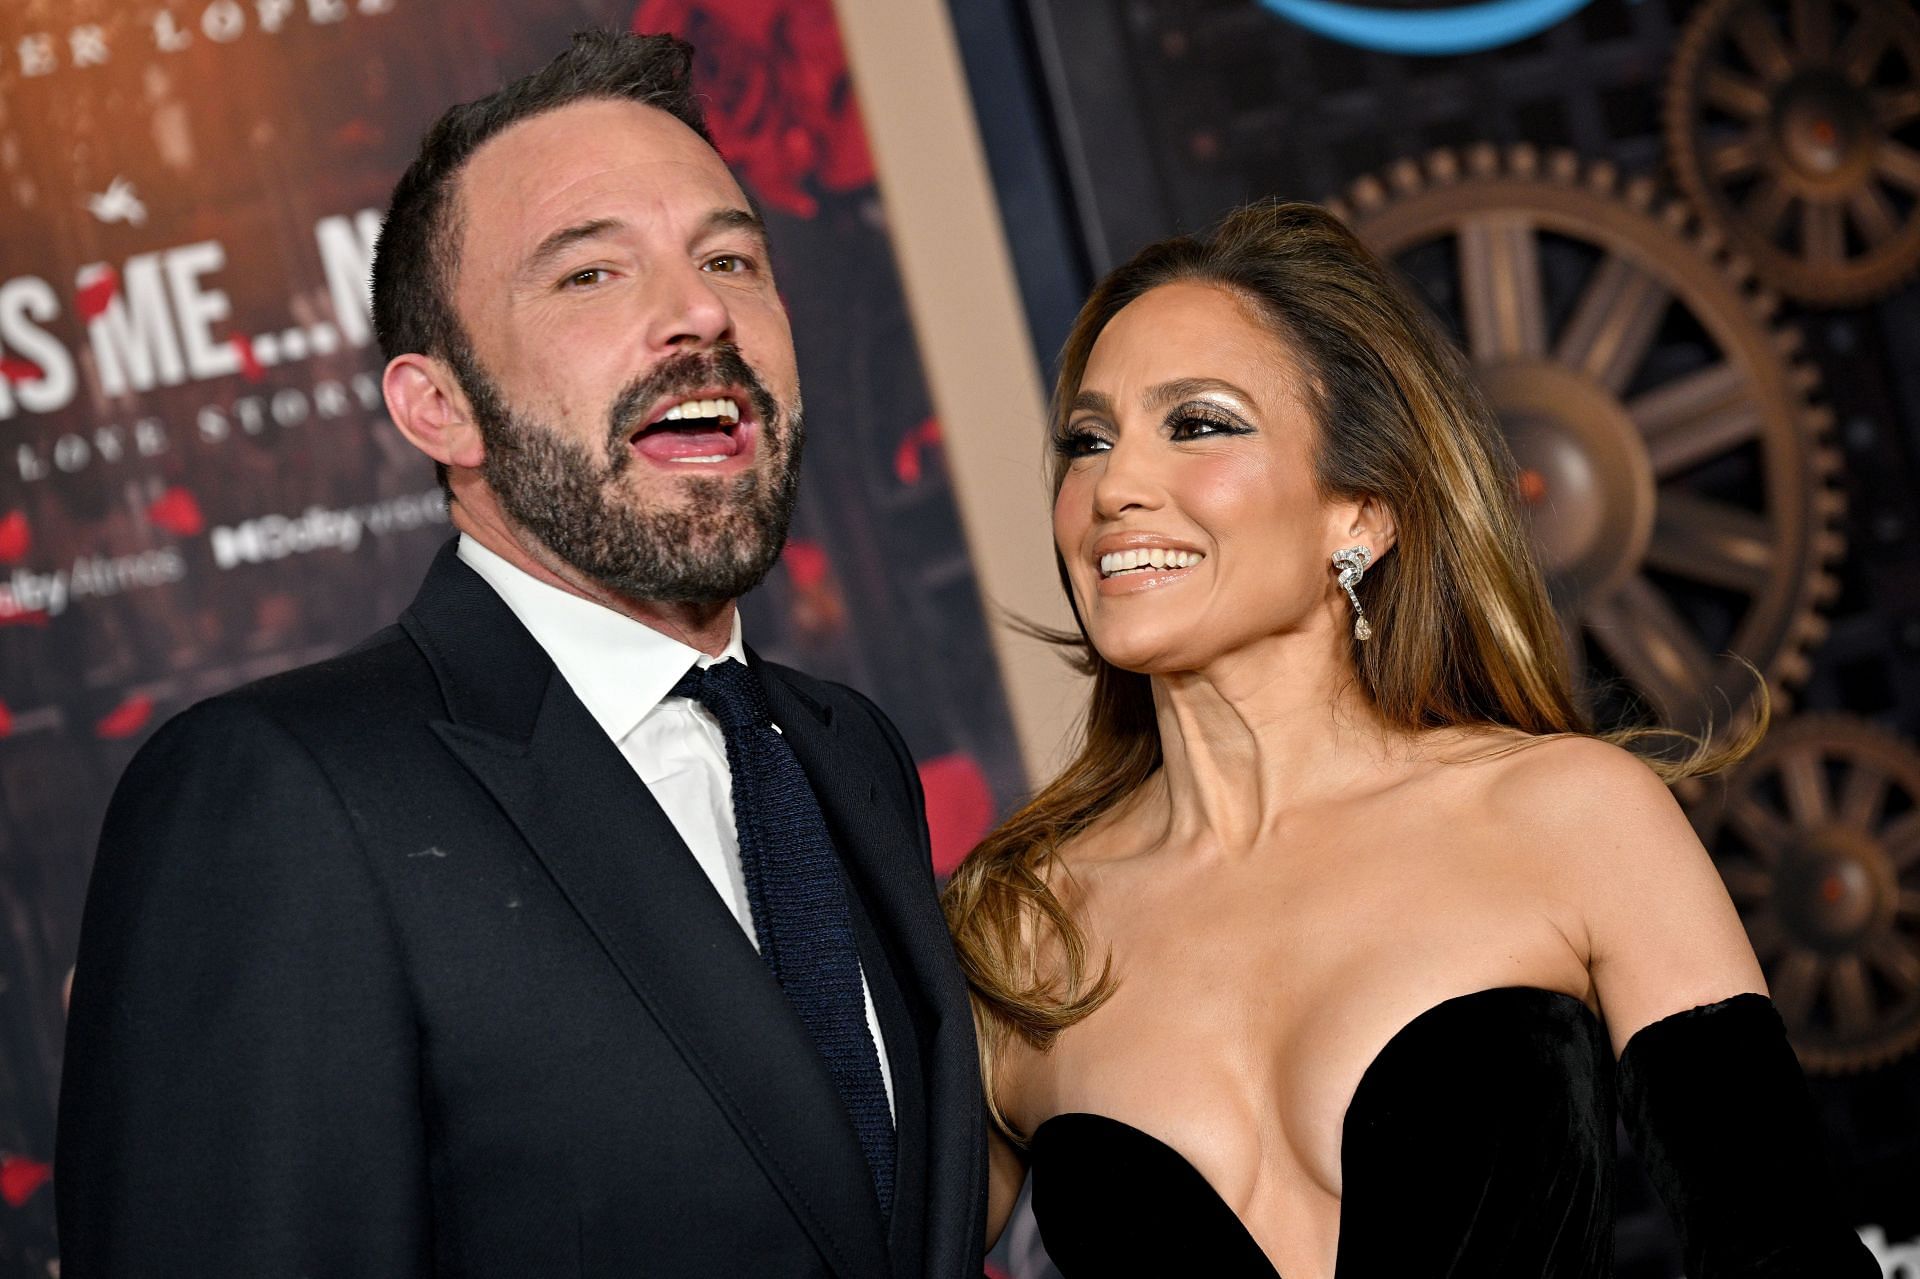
x,y
199,485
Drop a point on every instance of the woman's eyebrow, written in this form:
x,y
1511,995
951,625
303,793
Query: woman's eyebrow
x,y
1185,388
1092,402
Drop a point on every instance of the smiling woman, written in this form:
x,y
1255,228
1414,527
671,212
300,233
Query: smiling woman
x,y
1319,957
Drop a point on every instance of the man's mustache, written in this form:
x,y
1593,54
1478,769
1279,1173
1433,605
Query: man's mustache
x,y
681,376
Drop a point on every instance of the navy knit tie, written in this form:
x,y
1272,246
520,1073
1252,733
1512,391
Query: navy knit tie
x,y
799,901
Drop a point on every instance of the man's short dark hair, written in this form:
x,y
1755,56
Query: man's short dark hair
x,y
418,252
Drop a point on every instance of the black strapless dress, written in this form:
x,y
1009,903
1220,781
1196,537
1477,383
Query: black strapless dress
x,y
1480,1144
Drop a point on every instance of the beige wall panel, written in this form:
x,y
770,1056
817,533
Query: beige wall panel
x,y
973,341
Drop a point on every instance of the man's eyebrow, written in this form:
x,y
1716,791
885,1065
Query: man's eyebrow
x,y
1185,388
732,220
565,238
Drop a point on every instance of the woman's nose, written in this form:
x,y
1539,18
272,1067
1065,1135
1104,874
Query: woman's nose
x,y
1128,480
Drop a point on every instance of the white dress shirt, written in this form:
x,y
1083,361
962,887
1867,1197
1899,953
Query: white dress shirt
x,y
623,672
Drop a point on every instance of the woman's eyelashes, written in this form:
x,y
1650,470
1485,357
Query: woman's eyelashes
x,y
1079,441
1196,422
1183,425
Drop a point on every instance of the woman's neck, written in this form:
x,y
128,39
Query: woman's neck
x,y
1262,733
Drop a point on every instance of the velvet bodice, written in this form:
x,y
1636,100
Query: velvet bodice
x,y
1480,1142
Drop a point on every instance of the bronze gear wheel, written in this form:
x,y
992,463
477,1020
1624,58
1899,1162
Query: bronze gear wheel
x,y
1817,836
1673,472
1794,126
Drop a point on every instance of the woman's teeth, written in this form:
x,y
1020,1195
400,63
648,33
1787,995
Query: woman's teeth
x,y
1145,559
725,410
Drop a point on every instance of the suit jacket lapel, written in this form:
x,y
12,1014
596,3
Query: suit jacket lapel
x,y
613,853
886,854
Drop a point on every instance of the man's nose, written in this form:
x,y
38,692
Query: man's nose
x,y
689,312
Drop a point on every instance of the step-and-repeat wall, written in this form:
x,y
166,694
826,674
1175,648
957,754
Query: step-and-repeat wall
x,y
198,482
1679,242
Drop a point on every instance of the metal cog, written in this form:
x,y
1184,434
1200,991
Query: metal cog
x,y
1817,837
1681,494
1794,125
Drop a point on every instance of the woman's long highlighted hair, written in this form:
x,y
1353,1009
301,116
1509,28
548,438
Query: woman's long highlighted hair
x,y
1464,632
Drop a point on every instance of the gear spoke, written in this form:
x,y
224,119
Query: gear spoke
x,y
1573,641
1500,288
1898,164
1696,417
1863,48
1902,841
1735,94
1872,214
1897,963
1706,540
1894,107
1767,204
1737,156
1794,985
1746,882
1852,1000
1804,783
1615,321
1813,28
1759,40
1759,827
1764,934
1863,796
1823,233
1654,648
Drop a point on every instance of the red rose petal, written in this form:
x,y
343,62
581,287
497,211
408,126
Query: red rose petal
x,y
177,512
126,719
20,1177
16,537
959,808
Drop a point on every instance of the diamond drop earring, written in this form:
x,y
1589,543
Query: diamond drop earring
x,y
1352,563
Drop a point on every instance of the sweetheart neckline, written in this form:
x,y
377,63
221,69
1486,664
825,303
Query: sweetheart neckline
x,y
1360,1087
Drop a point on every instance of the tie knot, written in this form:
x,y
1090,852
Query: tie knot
x,y
730,691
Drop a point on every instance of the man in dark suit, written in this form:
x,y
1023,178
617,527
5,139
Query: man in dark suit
x,y
548,932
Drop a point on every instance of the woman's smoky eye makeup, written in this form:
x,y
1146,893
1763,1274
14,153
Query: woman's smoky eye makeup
x,y
1200,418
1078,439
1194,420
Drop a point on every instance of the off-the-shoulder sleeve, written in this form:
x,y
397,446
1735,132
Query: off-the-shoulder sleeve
x,y
1718,1109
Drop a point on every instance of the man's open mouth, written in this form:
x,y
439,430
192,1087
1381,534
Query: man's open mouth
x,y
700,430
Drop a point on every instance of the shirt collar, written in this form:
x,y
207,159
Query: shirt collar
x,y
620,669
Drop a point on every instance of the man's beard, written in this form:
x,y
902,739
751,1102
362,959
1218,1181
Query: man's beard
x,y
716,545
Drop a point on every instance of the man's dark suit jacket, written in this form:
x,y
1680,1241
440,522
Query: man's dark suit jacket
x,y
391,966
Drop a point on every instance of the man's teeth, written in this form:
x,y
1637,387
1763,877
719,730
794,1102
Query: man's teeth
x,y
1150,557
717,457
726,410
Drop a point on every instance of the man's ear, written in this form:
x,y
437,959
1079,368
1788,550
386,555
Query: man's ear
x,y
427,404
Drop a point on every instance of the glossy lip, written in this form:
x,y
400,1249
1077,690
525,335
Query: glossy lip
x,y
745,432
1153,579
